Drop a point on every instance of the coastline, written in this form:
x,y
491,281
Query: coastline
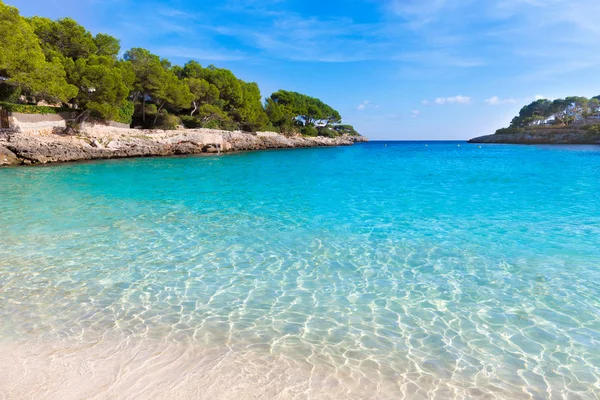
x,y
42,146
542,136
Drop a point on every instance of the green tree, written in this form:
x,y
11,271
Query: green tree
x,y
250,113
281,116
219,87
173,93
578,108
64,36
346,130
150,76
560,110
305,109
204,92
211,116
103,88
230,87
535,111
595,106
22,61
107,45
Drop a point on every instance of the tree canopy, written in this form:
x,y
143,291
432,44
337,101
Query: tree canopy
x,y
23,63
561,112
64,36
306,110
103,85
61,61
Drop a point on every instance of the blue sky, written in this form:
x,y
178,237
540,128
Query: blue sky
x,y
396,69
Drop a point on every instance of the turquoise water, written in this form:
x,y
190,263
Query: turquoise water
x,y
418,271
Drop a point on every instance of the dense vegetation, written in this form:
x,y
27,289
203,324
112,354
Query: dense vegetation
x,y
565,112
62,63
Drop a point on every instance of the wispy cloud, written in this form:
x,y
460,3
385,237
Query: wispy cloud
x,y
492,33
459,99
294,37
495,101
205,54
365,105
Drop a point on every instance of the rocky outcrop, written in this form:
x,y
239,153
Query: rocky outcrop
x,y
7,157
99,142
543,136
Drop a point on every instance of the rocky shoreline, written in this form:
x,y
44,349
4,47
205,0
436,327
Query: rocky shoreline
x,y
542,136
104,142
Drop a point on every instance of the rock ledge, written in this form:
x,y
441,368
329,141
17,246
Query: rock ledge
x,y
102,142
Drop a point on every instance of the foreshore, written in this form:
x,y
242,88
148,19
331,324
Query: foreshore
x,y
543,136
27,147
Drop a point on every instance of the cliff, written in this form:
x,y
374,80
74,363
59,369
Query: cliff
x,y
49,145
543,136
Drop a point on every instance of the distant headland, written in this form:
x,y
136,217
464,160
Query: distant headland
x,y
572,120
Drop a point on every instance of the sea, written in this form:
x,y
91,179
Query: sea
x,y
384,270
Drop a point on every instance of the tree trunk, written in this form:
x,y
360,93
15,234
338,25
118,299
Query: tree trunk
x,y
158,112
195,108
144,108
82,118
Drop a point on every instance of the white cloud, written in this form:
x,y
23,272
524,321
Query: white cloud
x,y
366,104
449,100
539,97
459,99
415,113
363,105
495,100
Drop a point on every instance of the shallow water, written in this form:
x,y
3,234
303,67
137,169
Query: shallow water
x,y
376,271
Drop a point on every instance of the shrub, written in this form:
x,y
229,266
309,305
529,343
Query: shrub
x,y
10,94
228,126
309,130
32,109
190,122
271,128
126,112
327,132
102,111
595,128
509,131
167,121
346,130
214,124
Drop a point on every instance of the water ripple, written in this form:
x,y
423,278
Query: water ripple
x,y
326,273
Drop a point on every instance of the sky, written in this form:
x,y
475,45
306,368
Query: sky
x,y
395,69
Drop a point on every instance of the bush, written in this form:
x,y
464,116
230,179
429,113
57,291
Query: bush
x,y
194,123
228,126
327,132
102,111
167,121
126,112
214,124
271,128
309,130
32,109
346,130
10,94
509,131
190,122
595,128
